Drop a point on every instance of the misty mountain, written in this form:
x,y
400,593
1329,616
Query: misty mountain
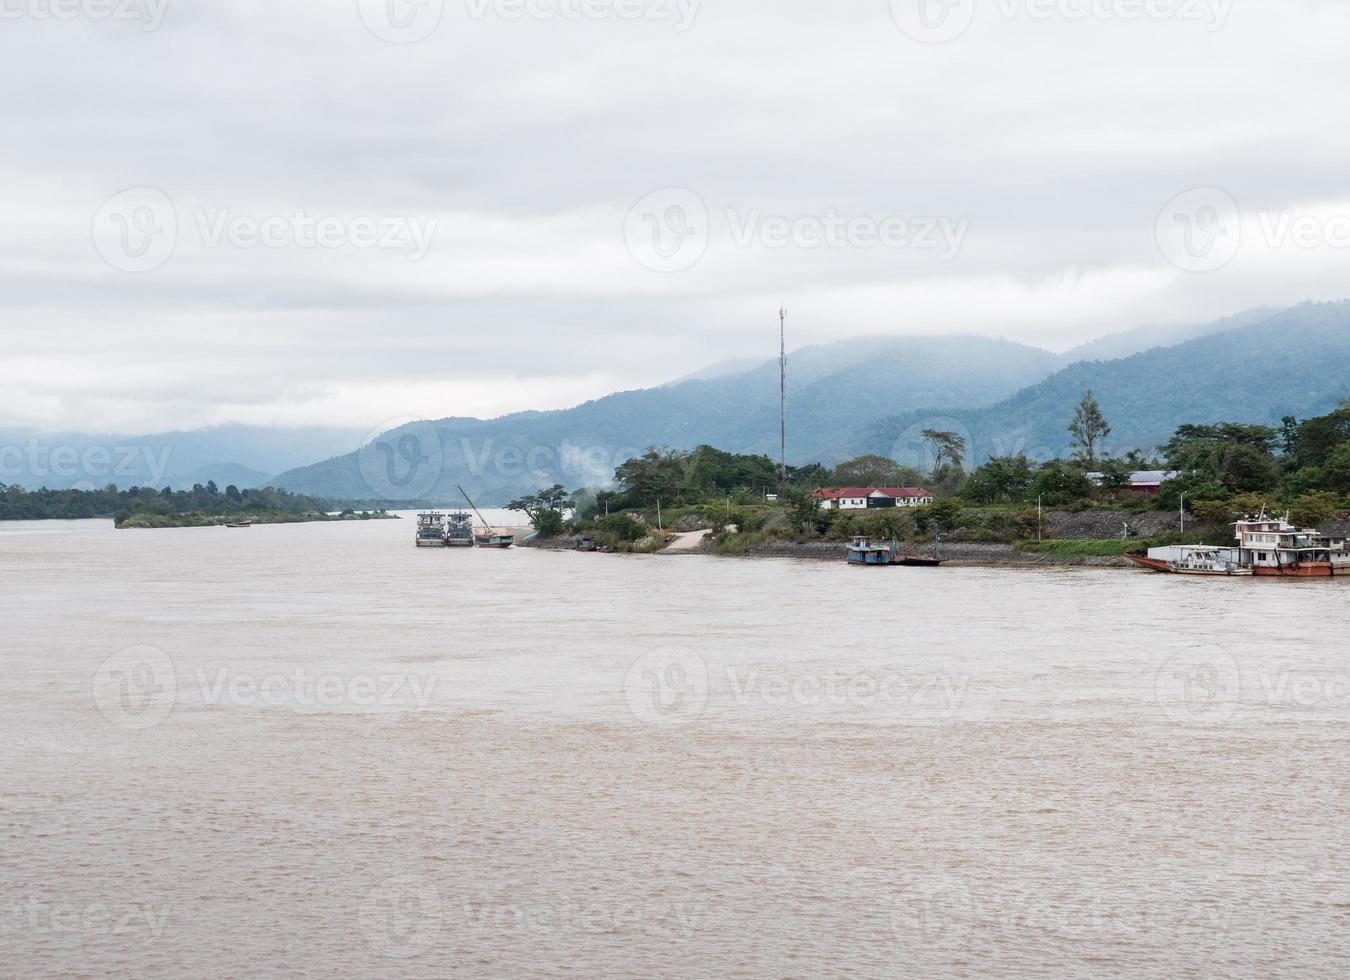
x,y
1129,342
223,475
227,453
1294,363
834,389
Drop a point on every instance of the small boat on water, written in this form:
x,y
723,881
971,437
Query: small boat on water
x,y
431,530
246,523
864,551
494,539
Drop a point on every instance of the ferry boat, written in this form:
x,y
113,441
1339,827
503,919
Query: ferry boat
x,y
1273,546
1265,546
431,530
459,531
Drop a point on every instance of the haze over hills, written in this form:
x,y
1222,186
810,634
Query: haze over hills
x,y
835,389
246,456
1005,397
845,398
1294,363
1128,342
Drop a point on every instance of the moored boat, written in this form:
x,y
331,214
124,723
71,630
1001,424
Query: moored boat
x,y
1206,561
431,530
1273,546
864,551
488,537
494,539
459,530
1266,546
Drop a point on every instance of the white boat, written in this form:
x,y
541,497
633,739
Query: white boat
x,y
1206,561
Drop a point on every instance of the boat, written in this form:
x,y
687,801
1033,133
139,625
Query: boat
x,y
431,530
246,523
1265,546
864,551
459,530
1206,561
1274,547
489,537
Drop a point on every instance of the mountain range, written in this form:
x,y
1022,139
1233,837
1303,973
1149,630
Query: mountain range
x,y
878,395
868,395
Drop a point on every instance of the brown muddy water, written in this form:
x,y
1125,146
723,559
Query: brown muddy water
x,y
313,750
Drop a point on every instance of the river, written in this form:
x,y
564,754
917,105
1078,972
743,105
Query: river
x,y
314,750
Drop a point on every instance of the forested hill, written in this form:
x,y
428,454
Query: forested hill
x,y
834,389
1294,363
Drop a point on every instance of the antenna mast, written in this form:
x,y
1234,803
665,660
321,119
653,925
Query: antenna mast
x,y
782,393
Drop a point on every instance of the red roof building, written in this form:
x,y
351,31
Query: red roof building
x,y
871,498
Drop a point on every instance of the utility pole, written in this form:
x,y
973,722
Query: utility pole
x,y
1183,513
1038,516
782,394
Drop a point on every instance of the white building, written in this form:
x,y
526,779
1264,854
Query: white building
x,y
872,498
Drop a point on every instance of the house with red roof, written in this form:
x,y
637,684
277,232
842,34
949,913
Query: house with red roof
x,y
871,498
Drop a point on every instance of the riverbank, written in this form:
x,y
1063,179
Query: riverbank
x,y
956,553
145,522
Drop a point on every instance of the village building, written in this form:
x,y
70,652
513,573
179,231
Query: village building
x,y
872,498
1142,483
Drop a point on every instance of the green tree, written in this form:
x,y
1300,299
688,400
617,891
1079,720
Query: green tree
x,y
874,471
1061,482
1088,428
1002,479
656,474
544,508
1314,509
946,447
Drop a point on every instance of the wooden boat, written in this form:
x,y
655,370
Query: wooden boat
x,y
241,524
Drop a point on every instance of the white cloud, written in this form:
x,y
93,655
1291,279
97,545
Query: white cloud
x,y
523,143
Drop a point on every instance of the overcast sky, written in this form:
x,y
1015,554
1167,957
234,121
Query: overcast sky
x,y
347,212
